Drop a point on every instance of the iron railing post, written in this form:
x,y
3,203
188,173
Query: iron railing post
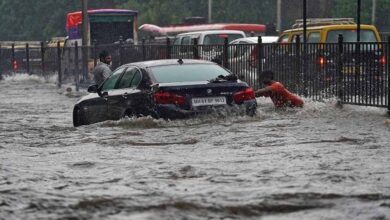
x,y
59,64
120,50
195,50
27,58
13,65
43,58
143,49
388,74
340,88
297,80
226,53
260,59
168,49
1,66
94,52
76,65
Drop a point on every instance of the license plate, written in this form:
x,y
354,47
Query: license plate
x,y
221,100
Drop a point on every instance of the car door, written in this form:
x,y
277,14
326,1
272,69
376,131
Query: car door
x,y
123,100
98,109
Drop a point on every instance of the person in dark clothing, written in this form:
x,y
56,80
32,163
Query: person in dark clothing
x,y
280,96
102,69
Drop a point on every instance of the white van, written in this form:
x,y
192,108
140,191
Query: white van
x,y
182,45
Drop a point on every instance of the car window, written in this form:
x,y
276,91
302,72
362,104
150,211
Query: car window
x,y
283,39
220,38
125,81
112,80
294,39
136,79
177,41
351,36
314,37
187,72
186,41
131,78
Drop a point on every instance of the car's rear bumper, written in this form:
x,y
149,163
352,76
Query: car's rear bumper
x,y
170,111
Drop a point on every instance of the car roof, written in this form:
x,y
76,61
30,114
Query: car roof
x,y
335,27
211,32
164,62
264,39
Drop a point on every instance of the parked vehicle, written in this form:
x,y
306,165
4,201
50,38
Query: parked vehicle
x,y
164,89
360,61
204,39
243,56
249,29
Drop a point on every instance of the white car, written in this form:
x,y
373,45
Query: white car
x,y
211,43
243,57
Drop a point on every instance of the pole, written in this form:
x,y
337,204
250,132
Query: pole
x,y
339,85
59,64
279,16
304,78
388,74
210,10
373,14
85,42
358,21
43,58
28,58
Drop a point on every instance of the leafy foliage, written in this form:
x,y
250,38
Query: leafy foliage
x,y
41,20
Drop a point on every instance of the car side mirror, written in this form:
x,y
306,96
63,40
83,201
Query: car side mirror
x,y
93,88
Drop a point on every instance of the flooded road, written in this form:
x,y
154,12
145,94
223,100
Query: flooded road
x,y
318,162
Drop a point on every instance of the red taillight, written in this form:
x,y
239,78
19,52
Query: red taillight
x,y
168,98
15,65
382,60
244,95
321,61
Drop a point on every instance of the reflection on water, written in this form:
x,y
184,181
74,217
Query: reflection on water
x,y
318,162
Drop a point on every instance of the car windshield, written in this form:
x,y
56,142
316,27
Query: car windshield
x,y
351,36
187,72
220,38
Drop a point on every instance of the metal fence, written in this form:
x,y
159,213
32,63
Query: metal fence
x,y
355,73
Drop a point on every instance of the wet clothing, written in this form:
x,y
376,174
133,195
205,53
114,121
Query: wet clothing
x,y
281,97
101,72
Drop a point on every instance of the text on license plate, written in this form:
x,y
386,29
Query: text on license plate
x,y
220,100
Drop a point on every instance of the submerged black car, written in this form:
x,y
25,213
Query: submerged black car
x,y
168,89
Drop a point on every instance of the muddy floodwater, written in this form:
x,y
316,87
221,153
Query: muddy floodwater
x,y
319,162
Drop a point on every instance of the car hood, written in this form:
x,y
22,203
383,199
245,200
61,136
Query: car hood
x,y
89,96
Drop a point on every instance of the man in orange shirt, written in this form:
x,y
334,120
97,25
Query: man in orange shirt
x,y
280,96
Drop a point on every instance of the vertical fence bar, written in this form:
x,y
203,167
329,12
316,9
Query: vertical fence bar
x,y
143,50
168,48
1,66
13,61
340,92
120,50
27,58
94,53
43,58
297,67
59,64
260,59
388,74
225,53
76,65
195,49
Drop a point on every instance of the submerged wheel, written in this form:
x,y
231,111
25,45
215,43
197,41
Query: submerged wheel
x,y
78,118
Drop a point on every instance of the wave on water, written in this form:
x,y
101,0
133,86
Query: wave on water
x,y
32,78
227,118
